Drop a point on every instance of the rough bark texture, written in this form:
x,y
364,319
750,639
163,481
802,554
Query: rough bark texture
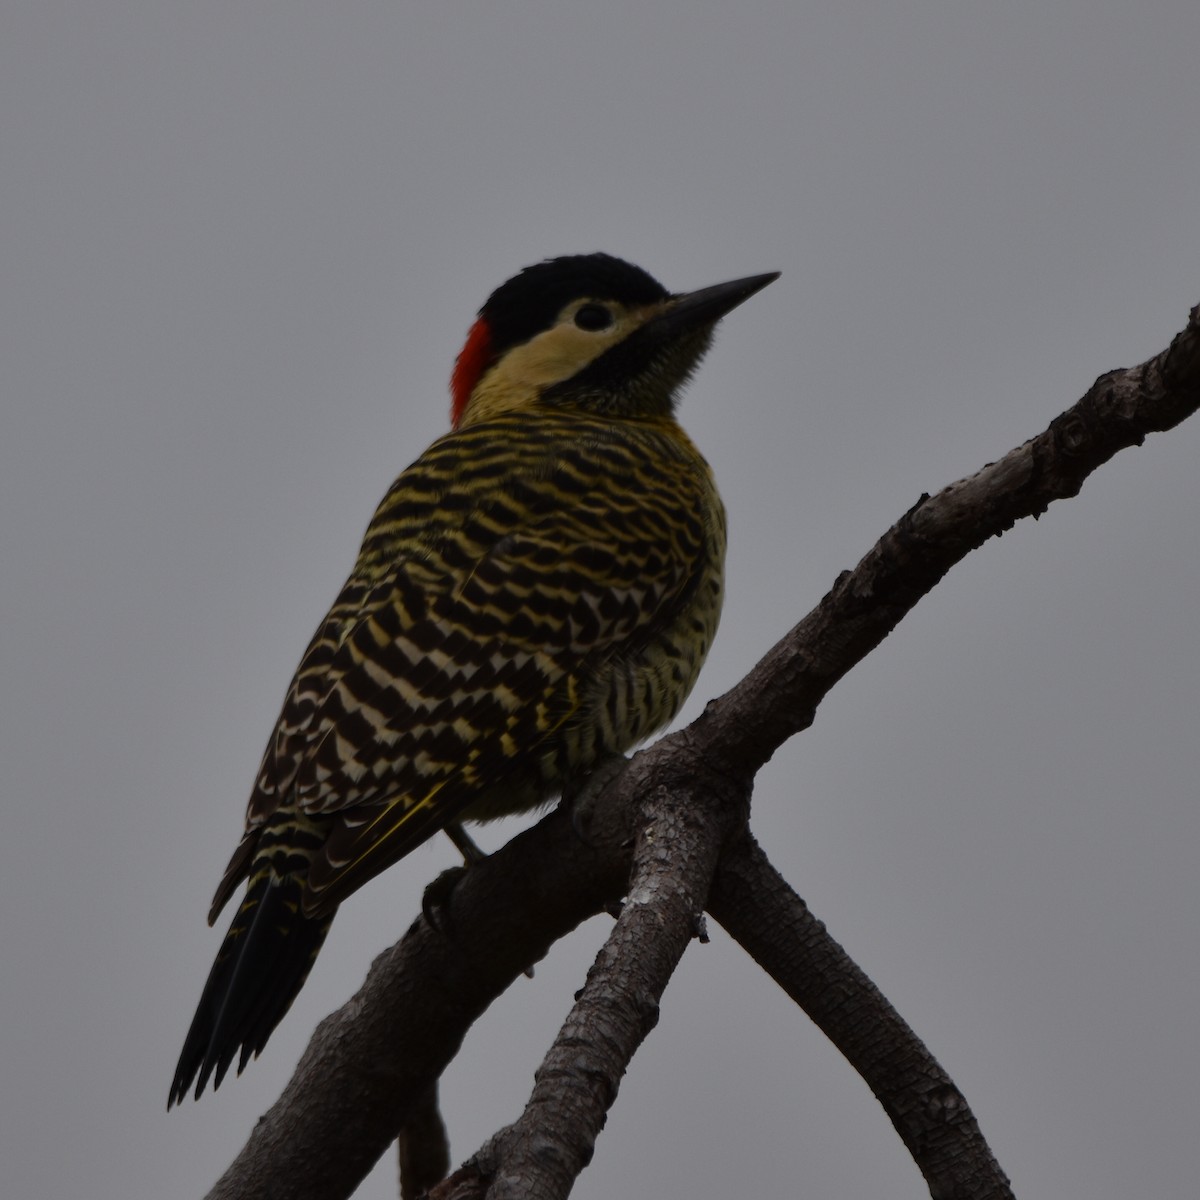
x,y
670,834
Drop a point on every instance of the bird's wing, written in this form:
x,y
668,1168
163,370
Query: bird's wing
x,y
423,715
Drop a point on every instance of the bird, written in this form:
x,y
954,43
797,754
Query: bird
x,y
534,595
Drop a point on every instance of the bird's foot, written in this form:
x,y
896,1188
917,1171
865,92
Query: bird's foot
x,y
435,902
582,799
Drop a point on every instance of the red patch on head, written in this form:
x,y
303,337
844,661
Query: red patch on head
x,y
473,359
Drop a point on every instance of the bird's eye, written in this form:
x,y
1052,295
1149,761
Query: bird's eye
x,y
593,317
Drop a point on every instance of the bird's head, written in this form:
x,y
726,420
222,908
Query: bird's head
x,y
587,331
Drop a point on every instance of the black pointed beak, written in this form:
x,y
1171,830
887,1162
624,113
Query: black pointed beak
x,y
695,310
643,372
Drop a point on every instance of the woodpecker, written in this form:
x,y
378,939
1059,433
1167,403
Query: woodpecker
x,y
535,594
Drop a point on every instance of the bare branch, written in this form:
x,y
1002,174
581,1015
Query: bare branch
x,y
758,908
779,697
686,816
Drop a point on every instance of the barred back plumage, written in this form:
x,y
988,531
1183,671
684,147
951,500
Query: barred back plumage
x,y
535,593
525,601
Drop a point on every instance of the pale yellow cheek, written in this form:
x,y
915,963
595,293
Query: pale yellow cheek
x,y
555,355
558,359
525,371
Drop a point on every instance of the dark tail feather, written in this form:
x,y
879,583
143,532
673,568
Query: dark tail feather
x,y
262,964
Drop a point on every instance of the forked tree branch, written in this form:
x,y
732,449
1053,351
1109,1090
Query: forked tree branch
x,y
372,1067
679,840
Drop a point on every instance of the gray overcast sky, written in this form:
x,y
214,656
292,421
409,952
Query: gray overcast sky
x,y
240,244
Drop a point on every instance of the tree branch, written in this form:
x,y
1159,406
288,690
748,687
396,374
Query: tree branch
x,y
779,697
758,908
681,829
